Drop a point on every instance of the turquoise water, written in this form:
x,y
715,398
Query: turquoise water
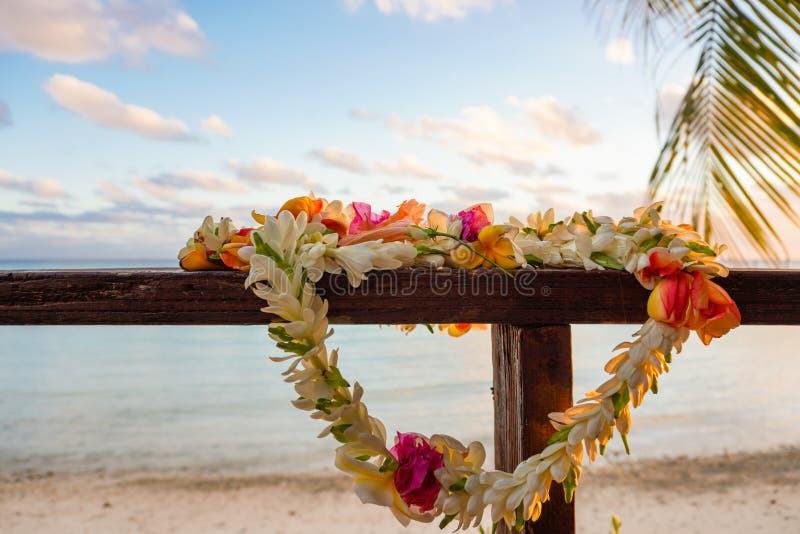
x,y
206,398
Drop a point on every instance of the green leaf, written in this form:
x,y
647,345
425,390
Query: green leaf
x,y
553,225
424,249
280,332
459,486
428,326
324,405
647,244
668,357
616,524
569,484
494,527
701,248
446,520
333,377
654,385
520,522
590,224
293,346
607,261
265,250
560,435
338,432
389,464
620,399
530,258
625,442
363,457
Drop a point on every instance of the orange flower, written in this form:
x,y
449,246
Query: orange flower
x,y
196,259
714,313
296,205
336,225
395,228
669,301
229,254
662,263
459,329
312,206
492,244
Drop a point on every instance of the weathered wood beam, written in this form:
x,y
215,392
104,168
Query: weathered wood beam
x,y
551,296
532,377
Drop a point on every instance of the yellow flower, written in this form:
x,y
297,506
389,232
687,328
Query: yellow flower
x,y
193,257
493,244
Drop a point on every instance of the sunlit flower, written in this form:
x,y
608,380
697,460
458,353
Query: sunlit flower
x,y
456,329
393,228
714,313
335,217
495,245
461,470
669,300
414,477
364,219
229,253
295,206
194,257
474,219
360,258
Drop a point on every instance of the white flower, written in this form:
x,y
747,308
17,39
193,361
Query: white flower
x,y
359,259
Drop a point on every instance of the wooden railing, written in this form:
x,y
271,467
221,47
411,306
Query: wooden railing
x,y
530,313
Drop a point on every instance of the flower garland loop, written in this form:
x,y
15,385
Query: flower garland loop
x,y
421,478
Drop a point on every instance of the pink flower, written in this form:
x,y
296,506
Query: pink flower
x,y
473,220
414,479
391,228
364,219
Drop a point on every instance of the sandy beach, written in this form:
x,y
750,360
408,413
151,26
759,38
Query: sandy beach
x,y
733,493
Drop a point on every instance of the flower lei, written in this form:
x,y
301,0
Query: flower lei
x,y
421,477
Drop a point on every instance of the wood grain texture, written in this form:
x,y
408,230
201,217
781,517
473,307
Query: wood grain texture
x,y
532,377
172,296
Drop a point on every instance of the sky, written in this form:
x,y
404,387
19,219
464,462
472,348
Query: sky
x,y
122,124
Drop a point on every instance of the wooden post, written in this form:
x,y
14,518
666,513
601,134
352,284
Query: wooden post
x,y
532,377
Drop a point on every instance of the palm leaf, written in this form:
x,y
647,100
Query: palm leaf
x,y
731,156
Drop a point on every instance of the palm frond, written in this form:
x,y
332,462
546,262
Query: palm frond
x,y
731,156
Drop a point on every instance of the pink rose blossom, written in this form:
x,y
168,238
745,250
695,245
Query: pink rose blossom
x,y
364,219
473,220
414,479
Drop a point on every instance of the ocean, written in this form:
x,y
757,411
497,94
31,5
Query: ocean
x,y
117,399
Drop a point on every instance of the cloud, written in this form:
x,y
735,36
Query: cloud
x,y
364,115
406,165
480,194
267,170
427,10
334,157
5,115
554,120
113,193
39,187
620,51
618,204
167,185
478,133
214,124
74,31
105,108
